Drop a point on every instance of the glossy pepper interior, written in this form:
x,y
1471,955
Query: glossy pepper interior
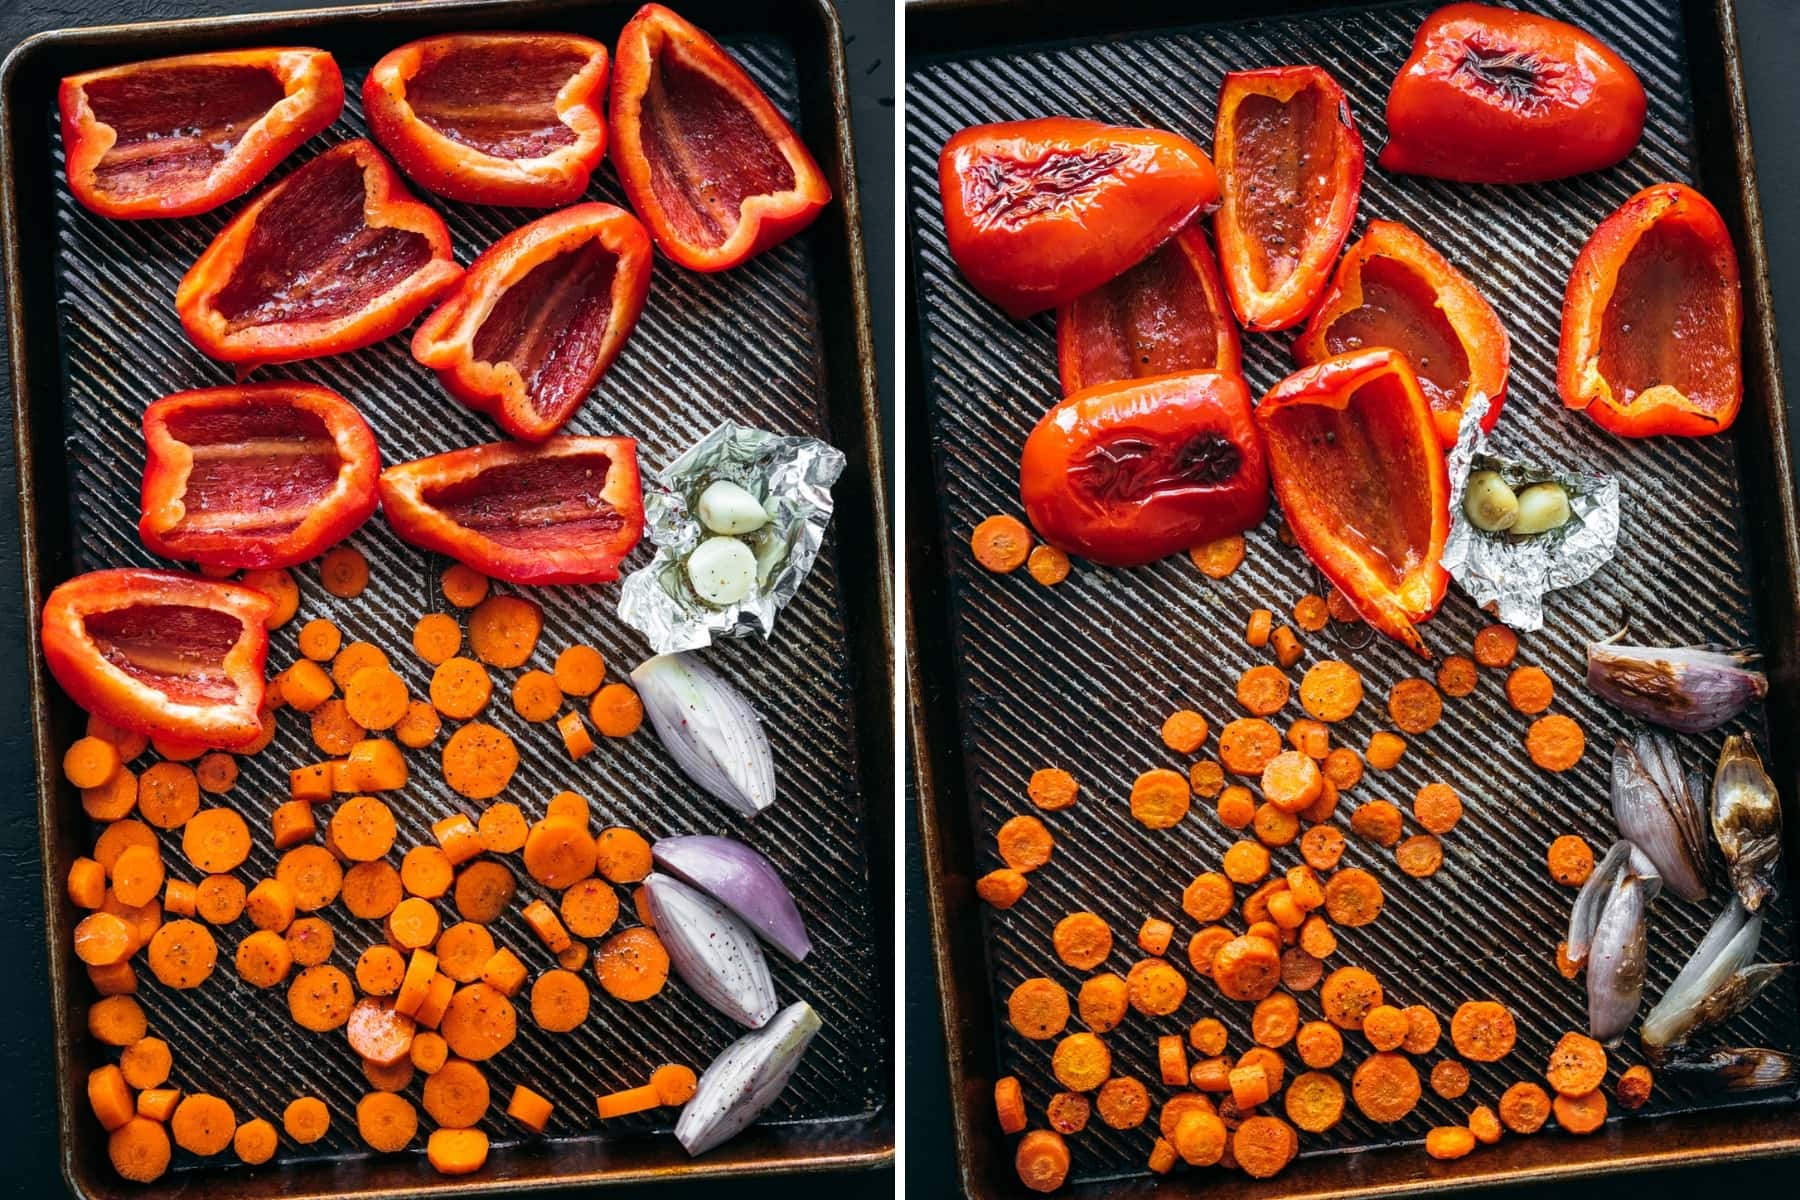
x,y
331,258
1356,464
1132,471
161,652
565,511
710,165
1393,289
258,475
1041,212
1290,167
540,316
1166,315
179,136
1652,321
493,118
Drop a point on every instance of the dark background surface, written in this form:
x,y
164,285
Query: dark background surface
x,y
1768,29
28,1148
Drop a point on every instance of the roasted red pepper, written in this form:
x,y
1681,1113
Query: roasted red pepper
x,y
258,475
162,653
1653,319
1127,473
333,257
540,316
565,511
1040,212
493,118
709,164
1166,315
1290,169
173,137
1357,467
1393,289
1491,95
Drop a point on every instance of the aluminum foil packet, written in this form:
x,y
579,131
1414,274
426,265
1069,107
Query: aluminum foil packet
x,y
791,476
1508,576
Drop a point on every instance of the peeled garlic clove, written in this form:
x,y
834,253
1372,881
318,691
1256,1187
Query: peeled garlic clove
x,y
722,570
1542,507
725,507
1489,503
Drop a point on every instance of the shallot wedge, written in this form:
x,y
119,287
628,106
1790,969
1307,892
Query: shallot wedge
x,y
1659,811
745,1079
1687,688
1739,1068
1616,954
1715,984
1746,820
714,953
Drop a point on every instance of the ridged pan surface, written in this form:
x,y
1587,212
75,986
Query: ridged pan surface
x,y
1080,676
742,345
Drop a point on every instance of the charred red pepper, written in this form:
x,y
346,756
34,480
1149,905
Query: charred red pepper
x,y
258,475
540,316
565,511
1653,319
1496,96
706,160
162,653
1393,289
1127,473
1040,212
334,257
173,137
1360,474
1290,169
493,118
1166,315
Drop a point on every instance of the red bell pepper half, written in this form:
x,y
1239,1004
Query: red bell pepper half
x,y
706,160
1360,474
540,316
1491,95
493,118
334,257
1166,315
162,653
1393,289
1290,168
1040,212
564,511
1127,473
173,137
1652,323
259,475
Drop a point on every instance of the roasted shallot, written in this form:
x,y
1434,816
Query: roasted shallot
x,y
1740,1068
1660,811
1687,688
1616,949
1715,984
1746,820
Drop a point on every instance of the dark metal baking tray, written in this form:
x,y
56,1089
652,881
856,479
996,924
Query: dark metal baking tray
x,y
1008,676
783,343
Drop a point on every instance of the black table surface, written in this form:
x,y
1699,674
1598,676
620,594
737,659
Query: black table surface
x,y
1768,29
28,1143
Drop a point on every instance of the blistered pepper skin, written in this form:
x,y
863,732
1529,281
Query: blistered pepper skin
x,y
1491,95
735,188
567,510
123,163
1129,472
565,292
536,159
1360,475
1040,212
1167,315
1393,289
257,475
256,295
1290,165
162,653
1652,322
